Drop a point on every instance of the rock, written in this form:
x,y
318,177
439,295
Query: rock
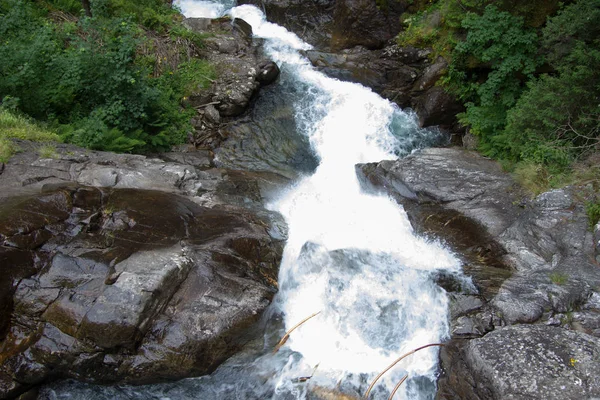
x,y
437,107
431,75
267,138
267,73
533,362
124,280
404,76
242,68
200,159
362,22
392,72
460,180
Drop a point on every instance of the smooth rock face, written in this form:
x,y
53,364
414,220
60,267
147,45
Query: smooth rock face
x,y
363,23
545,242
122,268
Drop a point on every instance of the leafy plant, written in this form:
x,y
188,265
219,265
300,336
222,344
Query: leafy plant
x,y
47,151
91,85
504,52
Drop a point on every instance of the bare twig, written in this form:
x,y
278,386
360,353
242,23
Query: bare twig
x,y
208,104
287,334
396,362
397,387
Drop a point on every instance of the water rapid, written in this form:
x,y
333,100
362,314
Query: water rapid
x,y
351,256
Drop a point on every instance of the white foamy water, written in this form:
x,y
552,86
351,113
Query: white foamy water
x,y
203,9
352,256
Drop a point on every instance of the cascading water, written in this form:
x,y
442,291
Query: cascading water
x,y
351,256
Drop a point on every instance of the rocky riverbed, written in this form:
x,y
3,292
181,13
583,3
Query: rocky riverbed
x,y
138,269
531,326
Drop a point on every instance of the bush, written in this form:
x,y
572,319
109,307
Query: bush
x,y
593,213
505,53
13,126
87,79
558,119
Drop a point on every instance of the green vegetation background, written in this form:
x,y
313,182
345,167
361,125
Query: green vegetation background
x,y
114,80
528,73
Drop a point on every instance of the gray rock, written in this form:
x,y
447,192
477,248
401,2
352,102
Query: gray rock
x,y
118,283
437,107
535,362
229,46
431,75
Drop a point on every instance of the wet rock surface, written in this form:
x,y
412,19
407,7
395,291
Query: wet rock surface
x,y
529,327
124,268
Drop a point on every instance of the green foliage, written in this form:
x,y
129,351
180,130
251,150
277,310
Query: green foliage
x,y
7,149
593,212
534,177
528,74
47,151
87,79
505,53
14,126
558,119
558,278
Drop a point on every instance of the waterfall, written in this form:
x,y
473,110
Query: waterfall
x,y
351,256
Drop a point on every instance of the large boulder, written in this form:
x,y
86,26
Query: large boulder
x,y
527,362
366,23
122,268
547,249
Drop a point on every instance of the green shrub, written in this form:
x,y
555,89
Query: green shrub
x,y
558,278
47,151
504,52
593,213
558,119
87,80
14,126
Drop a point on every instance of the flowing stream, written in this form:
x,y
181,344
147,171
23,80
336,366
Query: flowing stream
x,y
350,255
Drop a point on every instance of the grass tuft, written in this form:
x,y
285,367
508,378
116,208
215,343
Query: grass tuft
x,y
558,278
14,126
